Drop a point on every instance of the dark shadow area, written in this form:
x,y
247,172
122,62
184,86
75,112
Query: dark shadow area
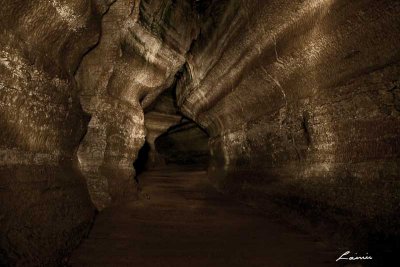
x,y
142,158
185,221
45,211
184,144
173,138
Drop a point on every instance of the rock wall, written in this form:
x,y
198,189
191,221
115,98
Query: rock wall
x,y
301,99
47,140
143,45
45,208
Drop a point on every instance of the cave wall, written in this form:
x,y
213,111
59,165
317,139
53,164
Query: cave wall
x,y
301,100
45,207
143,45
75,77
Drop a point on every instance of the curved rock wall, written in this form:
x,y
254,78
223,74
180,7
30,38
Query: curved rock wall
x,y
143,45
301,99
45,208
162,115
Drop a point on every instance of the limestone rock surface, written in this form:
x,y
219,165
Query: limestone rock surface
x,y
300,99
143,46
45,208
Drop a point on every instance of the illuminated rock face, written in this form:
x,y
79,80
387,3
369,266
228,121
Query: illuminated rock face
x,y
49,147
39,103
301,99
45,208
143,45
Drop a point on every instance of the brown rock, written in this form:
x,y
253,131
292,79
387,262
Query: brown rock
x,y
143,45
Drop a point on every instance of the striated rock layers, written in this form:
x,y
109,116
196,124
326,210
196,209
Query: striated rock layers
x,y
45,207
143,45
301,99
48,141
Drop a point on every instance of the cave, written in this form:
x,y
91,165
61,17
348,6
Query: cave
x,y
199,133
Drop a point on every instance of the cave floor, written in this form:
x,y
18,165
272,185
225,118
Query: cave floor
x,y
181,220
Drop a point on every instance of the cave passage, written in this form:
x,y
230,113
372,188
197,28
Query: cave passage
x,y
184,144
199,132
181,220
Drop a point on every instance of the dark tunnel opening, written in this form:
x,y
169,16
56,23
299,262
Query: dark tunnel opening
x,y
171,137
184,144
142,159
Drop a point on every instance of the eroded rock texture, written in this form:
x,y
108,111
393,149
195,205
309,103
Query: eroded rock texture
x,y
301,101
143,45
45,208
162,115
